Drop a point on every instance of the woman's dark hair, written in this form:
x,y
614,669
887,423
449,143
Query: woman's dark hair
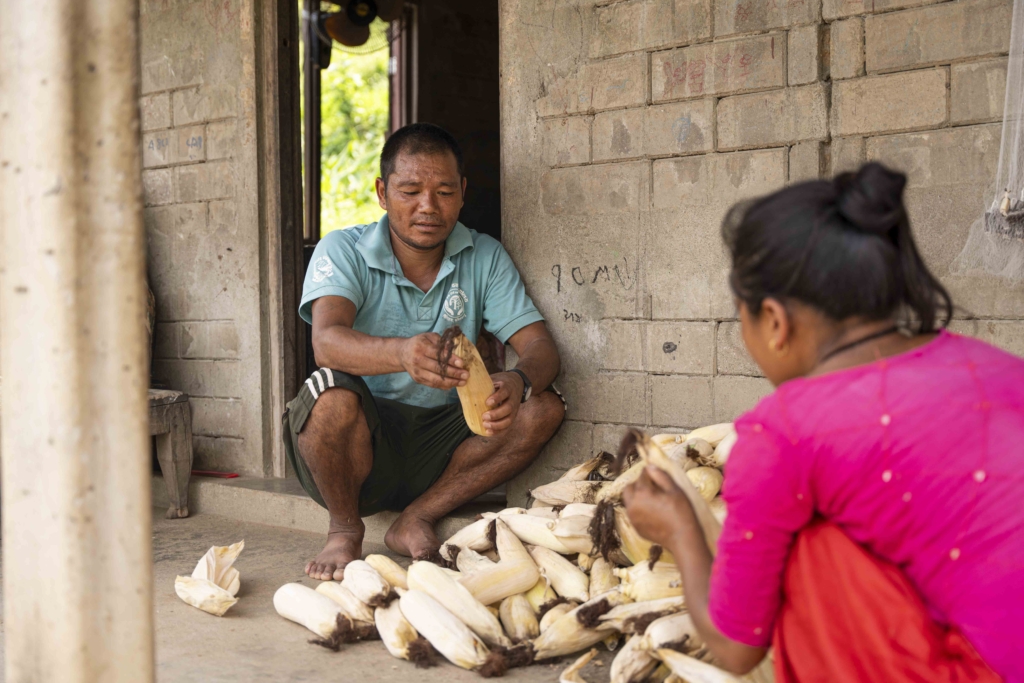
x,y
418,138
843,247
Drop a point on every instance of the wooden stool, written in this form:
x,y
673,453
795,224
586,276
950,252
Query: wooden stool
x,y
170,421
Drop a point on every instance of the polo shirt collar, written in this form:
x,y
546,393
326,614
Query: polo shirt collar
x,y
375,245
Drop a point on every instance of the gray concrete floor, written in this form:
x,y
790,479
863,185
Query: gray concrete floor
x,y
251,642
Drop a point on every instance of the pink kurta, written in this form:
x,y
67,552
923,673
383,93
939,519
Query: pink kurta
x,y
919,458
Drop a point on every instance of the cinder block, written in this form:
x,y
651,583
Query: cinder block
x,y
595,190
721,68
733,358
681,401
941,158
157,149
680,128
199,182
217,417
157,187
155,111
892,103
933,35
172,69
566,140
608,84
773,118
209,340
742,16
847,154
203,378
223,454
717,179
619,134
165,339
736,395
607,437
570,446
684,348
205,103
622,345
224,218
190,144
644,24
808,55
1006,334
607,397
836,9
222,140
847,49
806,161
977,91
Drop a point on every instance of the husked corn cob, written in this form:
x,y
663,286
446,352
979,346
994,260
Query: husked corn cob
x,y
541,594
713,434
637,571
578,510
204,594
494,610
708,481
567,579
693,670
400,638
391,571
536,531
634,617
555,613
306,607
675,631
518,618
366,584
475,537
652,585
353,607
612,641
724,448
561,492
428,578
574,534
632,665
469,561
602,577
572,672
585,561
479,386
445,631
515,573
635,547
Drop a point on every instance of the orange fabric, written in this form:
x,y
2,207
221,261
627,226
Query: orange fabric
x,y
848,617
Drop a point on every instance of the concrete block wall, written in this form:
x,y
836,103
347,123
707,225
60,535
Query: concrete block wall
x,y
629,127
199,175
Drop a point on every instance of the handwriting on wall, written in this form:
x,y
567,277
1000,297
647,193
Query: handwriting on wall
x,y
570,317
617,273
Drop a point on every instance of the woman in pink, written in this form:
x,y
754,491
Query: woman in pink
x,y
875,527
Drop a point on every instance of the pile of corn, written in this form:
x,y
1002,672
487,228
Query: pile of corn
x,y
528,585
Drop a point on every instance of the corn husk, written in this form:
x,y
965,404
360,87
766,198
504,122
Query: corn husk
x,y
428,578
566,492
469,561
718,509
474,536
632,664
449,636
589,469
366,583
693,670
612,641
568,580
555,613
537,531
353,607
724,448
602,577
692,453
567,635
399,636
541,594
667,441
613,490
305,606
217,567
574,534
675,631
546,512
708,481
584,562
634,617
578,510
515,573
641,584
392,572
572,673
713,434
204,594
635,547
479,387
518,618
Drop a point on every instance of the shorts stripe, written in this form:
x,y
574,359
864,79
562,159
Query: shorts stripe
x,y
319,380
330,376
312,388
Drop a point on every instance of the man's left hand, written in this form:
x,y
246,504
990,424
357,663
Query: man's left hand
x,y
503,404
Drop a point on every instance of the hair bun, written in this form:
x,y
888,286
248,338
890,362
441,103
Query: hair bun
x,y
872,199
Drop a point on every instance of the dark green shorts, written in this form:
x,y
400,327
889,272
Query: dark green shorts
x,y
411,445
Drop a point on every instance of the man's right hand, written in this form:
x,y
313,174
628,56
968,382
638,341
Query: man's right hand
x,y
419,358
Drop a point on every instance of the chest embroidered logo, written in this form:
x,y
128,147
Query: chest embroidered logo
x,y
455,304
322,269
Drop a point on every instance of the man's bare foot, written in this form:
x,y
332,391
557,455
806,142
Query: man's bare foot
x,y
412,536
342,547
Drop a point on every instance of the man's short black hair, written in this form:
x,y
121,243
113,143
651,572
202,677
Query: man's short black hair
x,y
418,138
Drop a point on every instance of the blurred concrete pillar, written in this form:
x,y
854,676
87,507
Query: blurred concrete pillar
x,y
77,567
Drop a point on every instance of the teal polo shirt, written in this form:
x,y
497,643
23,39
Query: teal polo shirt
x,y
477,286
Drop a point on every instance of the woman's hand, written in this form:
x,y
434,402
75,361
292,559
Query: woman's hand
x,y
658,508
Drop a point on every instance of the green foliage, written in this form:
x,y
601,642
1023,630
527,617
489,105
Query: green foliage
x,y
354,122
